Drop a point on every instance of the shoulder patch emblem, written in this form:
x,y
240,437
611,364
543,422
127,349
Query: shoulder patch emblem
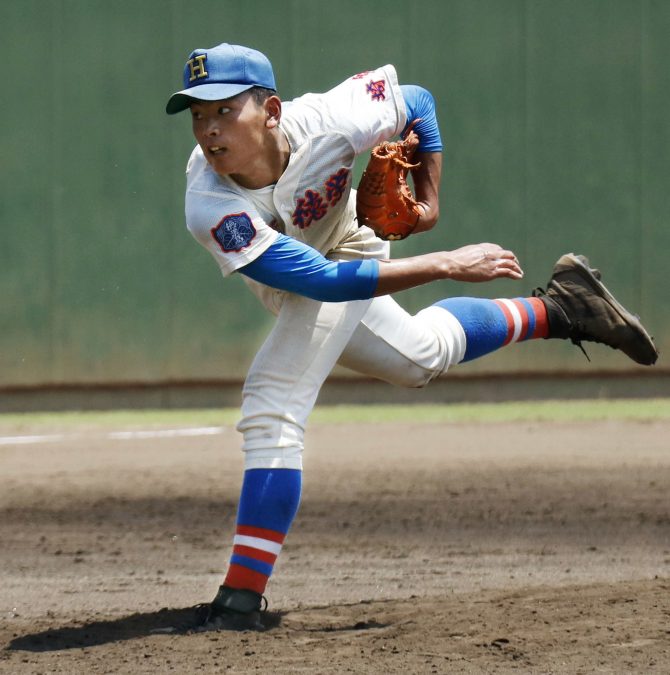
x,y
234,232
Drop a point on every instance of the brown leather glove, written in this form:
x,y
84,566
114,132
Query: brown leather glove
x,y
384,201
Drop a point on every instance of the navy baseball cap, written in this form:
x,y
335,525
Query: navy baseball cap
x,y
221,72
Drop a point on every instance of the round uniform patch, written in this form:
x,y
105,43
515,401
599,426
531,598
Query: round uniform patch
x,y
234,232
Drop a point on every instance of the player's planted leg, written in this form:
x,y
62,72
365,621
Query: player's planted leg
x,y
268,504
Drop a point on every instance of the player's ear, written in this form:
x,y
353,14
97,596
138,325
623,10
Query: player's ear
x,y
272,111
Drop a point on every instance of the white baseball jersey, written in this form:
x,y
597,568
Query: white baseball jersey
x,y
312,201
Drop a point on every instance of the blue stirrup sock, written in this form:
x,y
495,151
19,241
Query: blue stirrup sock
x,y
268,504
491,324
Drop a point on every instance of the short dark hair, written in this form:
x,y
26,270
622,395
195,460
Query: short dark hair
x,y
261,94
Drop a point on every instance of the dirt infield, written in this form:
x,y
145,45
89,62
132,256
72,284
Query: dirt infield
x,y
537,548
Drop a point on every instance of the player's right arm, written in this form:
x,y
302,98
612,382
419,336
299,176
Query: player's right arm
x,y
290,265
472,263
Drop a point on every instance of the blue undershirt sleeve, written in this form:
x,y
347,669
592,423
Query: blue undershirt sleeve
x,y
290,265
420,104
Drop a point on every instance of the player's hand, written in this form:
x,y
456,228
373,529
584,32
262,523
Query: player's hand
x,y
482,262
478,262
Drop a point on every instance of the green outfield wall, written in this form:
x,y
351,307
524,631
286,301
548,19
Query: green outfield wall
x,y
554,115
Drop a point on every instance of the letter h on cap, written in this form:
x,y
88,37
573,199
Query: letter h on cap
x,y
197,67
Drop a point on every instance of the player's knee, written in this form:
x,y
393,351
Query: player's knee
x,y
442,345
413,375
271,442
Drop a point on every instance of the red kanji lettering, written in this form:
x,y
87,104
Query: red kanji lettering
x,y
376,90
309,208
336,185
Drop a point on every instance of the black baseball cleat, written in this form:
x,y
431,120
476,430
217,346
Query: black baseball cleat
x,y
232,609
580,308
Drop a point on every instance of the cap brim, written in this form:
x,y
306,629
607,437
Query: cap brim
x,y
205,92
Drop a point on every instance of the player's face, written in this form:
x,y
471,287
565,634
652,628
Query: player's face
x,y
232,134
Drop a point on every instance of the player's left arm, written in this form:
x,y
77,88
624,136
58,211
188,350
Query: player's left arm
x,y
421,113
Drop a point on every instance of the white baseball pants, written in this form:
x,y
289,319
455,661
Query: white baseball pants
x,y
374,337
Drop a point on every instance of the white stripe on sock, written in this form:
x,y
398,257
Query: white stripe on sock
x,y
516,317
257,542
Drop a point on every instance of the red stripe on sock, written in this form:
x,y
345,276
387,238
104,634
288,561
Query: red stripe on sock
x,y
525,322
244,578
509,319
541,322
255,553
261,533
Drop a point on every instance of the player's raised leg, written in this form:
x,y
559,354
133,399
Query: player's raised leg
x,y
575,306
412,350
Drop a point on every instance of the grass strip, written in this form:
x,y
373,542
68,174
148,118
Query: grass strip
x,y
481,413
